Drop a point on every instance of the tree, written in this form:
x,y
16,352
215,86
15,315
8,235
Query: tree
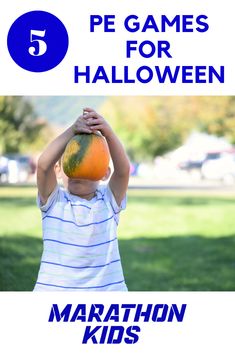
x,y
151,126
148,126
19,124
217,116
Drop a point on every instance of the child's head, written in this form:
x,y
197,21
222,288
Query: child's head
x,y
78,187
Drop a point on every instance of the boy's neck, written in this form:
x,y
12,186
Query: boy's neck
x,y
86,196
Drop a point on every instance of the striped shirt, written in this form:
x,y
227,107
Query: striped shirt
x,y
80,246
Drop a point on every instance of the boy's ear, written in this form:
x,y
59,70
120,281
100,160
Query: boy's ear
x,y
107,175
57,169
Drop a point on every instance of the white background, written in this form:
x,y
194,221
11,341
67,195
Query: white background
x,y
214,47
209,318
208,324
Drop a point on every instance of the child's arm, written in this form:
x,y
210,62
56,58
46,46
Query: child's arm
x,y
119,180
46,177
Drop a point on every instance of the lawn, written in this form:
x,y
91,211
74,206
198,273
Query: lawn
x,y
169,240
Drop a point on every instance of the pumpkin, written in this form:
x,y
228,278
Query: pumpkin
x,y
86,156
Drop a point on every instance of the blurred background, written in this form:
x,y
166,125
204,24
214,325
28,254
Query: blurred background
x,y
178,232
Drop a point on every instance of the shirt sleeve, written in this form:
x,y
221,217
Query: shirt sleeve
x,y
52,199
110,198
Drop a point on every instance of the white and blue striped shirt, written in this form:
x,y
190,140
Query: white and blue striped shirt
x,y
80,246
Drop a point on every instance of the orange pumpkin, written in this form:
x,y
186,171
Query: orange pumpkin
x,y
86,156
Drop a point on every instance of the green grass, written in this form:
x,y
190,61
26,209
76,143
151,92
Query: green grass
x,y
169,241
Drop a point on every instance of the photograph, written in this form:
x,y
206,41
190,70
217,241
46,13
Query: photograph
x,y
110,193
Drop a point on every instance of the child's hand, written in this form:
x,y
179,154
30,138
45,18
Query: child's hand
x,y
80,126
96,122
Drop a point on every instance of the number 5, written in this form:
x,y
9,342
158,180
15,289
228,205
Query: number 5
x,y
39,46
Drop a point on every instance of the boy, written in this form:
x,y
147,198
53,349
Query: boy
x,y
80,250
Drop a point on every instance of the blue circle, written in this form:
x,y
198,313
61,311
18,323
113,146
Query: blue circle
x,y
37,41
